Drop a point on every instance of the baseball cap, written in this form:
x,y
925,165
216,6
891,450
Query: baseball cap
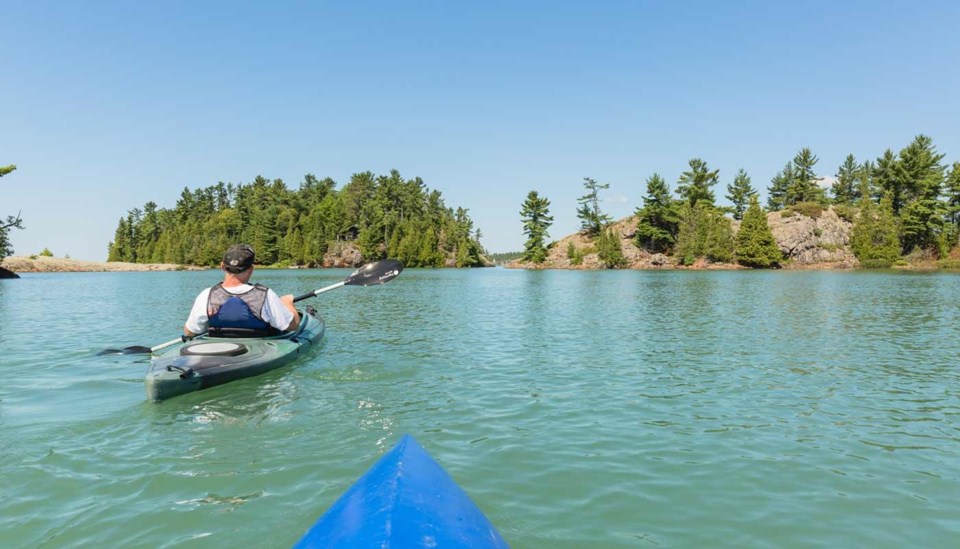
x,y
238,258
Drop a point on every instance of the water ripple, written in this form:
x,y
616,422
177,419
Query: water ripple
x,y
606,409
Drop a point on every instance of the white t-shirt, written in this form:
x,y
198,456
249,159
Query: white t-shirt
x,y
274,312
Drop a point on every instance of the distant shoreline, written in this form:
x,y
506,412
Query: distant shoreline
x,y
43,264
17,264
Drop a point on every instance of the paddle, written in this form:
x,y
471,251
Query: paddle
x,y
371,274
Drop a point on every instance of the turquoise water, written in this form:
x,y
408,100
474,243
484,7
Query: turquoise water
x,y
578,409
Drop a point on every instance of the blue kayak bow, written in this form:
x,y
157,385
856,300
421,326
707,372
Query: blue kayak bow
x,y
406,500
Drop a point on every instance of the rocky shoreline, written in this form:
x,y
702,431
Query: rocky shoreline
x,y
43,264
809,243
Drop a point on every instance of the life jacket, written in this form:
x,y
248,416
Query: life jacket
x,y
238,315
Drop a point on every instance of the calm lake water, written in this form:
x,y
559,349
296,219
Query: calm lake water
x,y
578,409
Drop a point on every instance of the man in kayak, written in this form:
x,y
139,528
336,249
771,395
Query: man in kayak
x,y
235,308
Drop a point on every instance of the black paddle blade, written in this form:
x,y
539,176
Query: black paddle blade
x,y
378,272
134,350
137,350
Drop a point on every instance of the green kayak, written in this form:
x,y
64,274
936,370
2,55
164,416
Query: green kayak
x,y
208,361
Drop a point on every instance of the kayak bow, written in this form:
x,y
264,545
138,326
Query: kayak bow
x,y
209,362
405,500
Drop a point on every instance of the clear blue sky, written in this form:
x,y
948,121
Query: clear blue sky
x,y
105,106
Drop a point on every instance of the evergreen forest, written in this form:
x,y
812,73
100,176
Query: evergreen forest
x,y
384,216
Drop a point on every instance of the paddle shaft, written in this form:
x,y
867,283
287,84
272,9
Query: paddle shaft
x,y
172,342
308,295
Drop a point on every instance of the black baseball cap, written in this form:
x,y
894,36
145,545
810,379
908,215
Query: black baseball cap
x,y
238,258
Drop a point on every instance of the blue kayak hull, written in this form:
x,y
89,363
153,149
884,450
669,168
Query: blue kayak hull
x,y
405,500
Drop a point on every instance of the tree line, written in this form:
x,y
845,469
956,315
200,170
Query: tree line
x,y
903,203
385,216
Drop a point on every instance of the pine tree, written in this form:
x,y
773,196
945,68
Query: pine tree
x,y
779,185
704,232
719,245
574,254
804,187
430,255
874,239
885,181
265,237
755,245
689,241
592,220
409,247
919,168
657,220
468,253
118,249
293,245
952,191
536,220
369,240
150,232
845,189
922,222
696,184
803,164
740,193
10,223
920,175
866,181
610,250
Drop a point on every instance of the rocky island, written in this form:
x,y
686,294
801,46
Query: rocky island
x,y
806,242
